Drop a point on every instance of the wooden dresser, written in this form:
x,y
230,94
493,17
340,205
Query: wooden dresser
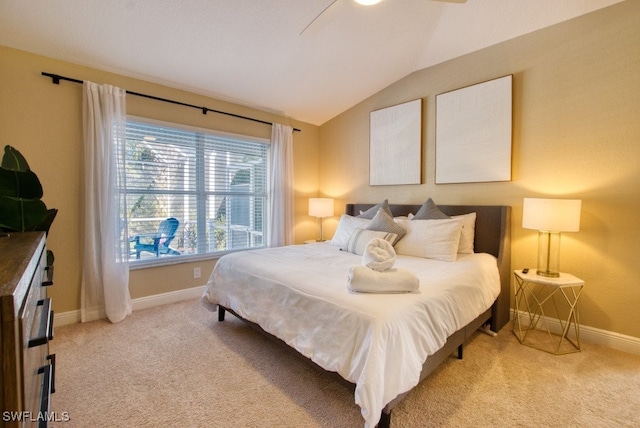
x,y
27,369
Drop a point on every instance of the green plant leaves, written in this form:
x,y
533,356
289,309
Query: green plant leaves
x,y
21,209
13,160
20,184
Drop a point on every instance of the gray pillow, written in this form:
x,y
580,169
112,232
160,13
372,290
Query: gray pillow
x,y
371,212
429,211
383,222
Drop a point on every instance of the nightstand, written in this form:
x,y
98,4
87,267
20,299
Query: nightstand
x,y
539,301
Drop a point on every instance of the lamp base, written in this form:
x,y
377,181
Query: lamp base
x,y
548,254
548,274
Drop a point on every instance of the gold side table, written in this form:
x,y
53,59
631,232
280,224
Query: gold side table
x,y
538,300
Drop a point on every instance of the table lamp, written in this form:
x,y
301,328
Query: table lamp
x,y
321,208
550,217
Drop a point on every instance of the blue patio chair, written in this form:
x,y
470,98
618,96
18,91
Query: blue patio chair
x,y
157,243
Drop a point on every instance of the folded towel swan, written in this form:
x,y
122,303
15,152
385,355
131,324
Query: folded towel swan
x,y
377,275
379,255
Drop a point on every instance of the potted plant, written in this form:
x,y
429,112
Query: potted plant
x,y
21,207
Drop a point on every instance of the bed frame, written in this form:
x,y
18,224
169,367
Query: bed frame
x,y
493,236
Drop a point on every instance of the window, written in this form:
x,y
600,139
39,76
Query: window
x,y
213,185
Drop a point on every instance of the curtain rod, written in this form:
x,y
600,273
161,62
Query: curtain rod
x,y
55,79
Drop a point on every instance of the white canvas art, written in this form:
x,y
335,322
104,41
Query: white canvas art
x,y
395,144
473,133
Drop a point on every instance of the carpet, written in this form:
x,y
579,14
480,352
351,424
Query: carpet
x,y
177,366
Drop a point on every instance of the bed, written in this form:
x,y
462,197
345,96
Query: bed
x,y
383,344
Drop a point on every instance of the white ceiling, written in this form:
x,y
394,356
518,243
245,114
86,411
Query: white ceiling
x,y
251,51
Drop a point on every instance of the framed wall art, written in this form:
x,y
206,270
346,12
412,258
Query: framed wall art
x,y
395,155
473,133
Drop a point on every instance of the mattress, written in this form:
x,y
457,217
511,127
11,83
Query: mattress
x,y
379,342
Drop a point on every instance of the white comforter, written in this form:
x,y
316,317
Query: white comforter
x,y
377,341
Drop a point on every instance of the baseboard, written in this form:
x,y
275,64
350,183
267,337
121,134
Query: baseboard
x,y
597,336
166,298
72,317
66,318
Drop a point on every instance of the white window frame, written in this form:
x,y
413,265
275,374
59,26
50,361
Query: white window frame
x,y
200,192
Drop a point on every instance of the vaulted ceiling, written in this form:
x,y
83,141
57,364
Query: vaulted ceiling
x,y
252,52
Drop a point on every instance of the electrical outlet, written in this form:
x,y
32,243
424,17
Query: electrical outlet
x,y
196,273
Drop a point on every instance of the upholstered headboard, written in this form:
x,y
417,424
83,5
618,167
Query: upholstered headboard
x,y
492,235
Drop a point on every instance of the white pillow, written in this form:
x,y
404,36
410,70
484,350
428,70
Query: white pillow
x,y
468,232
346,226
431,239
360,238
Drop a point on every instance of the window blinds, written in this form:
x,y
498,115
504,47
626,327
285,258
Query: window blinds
x,y
215,185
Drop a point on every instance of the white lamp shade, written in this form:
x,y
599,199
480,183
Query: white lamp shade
x,y
321,207
552,215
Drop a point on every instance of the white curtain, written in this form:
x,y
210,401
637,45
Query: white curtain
x,y
105,267
281,210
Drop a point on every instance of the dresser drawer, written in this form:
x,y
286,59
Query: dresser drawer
x,y
37,329
27,326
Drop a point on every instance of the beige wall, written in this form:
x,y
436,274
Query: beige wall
x,y
44,121
576,134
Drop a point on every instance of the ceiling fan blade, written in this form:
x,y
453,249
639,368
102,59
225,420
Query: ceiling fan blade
x,y
324,13
318,16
